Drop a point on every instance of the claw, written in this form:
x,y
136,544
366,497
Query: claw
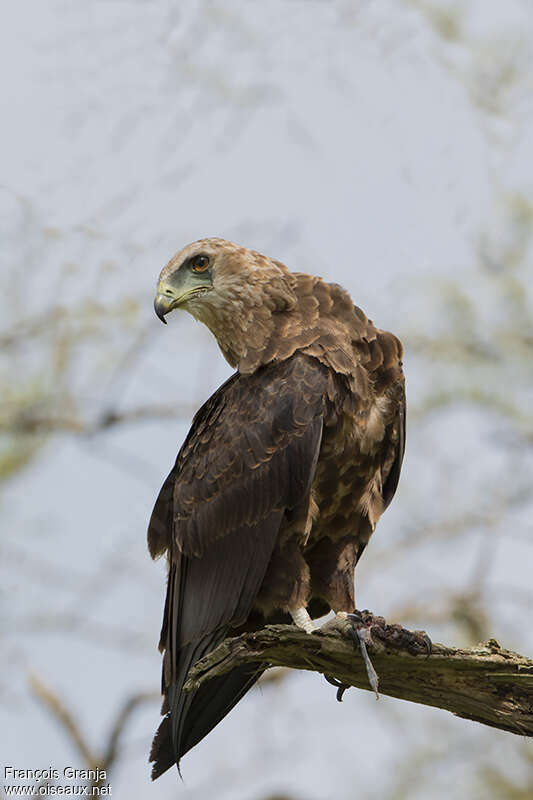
x,y
429,644
341,687
416,641
333,681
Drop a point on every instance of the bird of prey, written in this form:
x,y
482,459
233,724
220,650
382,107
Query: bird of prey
x,y
283,476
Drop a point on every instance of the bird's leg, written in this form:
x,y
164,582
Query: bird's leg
x,y
359,634
301,618
361,625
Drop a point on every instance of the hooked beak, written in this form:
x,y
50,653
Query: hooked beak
x,y
163,303
176,292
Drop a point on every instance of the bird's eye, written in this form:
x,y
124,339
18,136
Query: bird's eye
x,y
200,263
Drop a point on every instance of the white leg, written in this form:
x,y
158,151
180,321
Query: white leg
x,y
302,619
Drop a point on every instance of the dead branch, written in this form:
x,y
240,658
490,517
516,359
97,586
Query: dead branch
x,y
486,684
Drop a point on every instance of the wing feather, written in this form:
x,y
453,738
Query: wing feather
x,y
393,468
249,458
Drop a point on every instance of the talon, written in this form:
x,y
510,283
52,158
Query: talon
x,y
417,641
340,691
341,687
333,681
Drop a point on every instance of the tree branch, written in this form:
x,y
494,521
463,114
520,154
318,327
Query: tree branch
x,y
486,684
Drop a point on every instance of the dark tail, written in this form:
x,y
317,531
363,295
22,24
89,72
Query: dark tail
x,y
193,715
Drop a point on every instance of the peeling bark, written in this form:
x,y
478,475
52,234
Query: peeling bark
x,y
487,683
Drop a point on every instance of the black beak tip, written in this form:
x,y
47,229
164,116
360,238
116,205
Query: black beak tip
x,y
160,312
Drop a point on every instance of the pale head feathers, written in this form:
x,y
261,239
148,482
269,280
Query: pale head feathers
x,y
261,312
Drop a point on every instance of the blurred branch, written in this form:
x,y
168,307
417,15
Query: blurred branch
x,y
34,327
130,705
442,398
133,640
80,319
496,784
66,720
486,684
28,421
92,760
466,609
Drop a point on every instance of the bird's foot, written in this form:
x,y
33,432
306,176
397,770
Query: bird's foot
x,y
415,642
381,636
367,630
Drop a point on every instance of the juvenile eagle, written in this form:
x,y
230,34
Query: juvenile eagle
x,y
283,475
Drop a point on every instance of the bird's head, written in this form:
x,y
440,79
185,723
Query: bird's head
x,y
187,277
233,290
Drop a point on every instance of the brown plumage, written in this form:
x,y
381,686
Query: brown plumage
x,y
283,475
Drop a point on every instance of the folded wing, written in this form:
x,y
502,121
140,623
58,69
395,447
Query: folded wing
x,y
250,457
